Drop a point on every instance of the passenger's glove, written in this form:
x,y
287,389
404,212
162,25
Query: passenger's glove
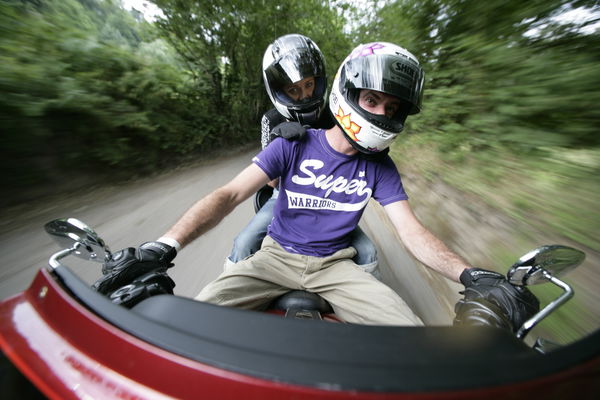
x,y
289,131
489,299
128,264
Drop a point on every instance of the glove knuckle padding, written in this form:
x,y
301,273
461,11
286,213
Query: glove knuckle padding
x,y
480,312
120,259
489,296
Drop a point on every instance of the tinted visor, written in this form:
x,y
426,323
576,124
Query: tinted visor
x,y
395,75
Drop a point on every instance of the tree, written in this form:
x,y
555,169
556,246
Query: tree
x,y
223,43
489,80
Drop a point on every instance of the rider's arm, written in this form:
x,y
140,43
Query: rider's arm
x,y
423,245
209,211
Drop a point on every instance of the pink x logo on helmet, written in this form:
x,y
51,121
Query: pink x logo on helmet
x,y
382,67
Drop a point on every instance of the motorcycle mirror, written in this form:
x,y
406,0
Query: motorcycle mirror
x,y
539,265
72,233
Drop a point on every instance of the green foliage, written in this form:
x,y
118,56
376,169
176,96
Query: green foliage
x,y
90,94
85,83
490,81
224,42
88,87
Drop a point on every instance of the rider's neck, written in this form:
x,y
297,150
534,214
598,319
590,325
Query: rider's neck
x,y
335,138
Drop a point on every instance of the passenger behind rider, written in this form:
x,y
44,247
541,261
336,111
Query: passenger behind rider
x,y
326,181
296,82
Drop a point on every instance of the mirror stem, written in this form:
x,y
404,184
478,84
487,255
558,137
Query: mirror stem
x,y
543,313
54,259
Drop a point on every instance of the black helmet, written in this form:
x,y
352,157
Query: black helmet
x,y
293,59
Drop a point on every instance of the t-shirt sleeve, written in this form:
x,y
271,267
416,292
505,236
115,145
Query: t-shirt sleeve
x,y
273,158
388,188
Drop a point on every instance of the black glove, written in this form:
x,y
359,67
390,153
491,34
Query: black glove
x,y
289,131
128,264
147,285
489,299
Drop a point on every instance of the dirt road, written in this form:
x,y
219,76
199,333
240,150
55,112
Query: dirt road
x,y
128,215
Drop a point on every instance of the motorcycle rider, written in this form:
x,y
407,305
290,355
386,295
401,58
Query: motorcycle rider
x,y
326,182
296,81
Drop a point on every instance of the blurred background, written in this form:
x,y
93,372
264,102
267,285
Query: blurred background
x,y
504,157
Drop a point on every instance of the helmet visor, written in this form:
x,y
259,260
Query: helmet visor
x,y
392,74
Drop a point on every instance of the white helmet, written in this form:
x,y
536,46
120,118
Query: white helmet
x,y
289,59
384,67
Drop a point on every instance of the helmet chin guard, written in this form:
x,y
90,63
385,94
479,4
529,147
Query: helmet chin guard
x,y
382,67
307,117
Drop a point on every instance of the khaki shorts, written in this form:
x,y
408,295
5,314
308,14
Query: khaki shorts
x,y
355,295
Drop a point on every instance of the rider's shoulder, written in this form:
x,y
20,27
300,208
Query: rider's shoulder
x,y
273,117
314,133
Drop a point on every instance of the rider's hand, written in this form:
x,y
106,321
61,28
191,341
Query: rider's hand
x,y
489,299
130,263
289,131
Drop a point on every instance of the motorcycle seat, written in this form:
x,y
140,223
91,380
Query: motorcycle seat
x,y
302,300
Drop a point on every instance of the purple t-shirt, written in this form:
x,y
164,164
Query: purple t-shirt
x,y
322,192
